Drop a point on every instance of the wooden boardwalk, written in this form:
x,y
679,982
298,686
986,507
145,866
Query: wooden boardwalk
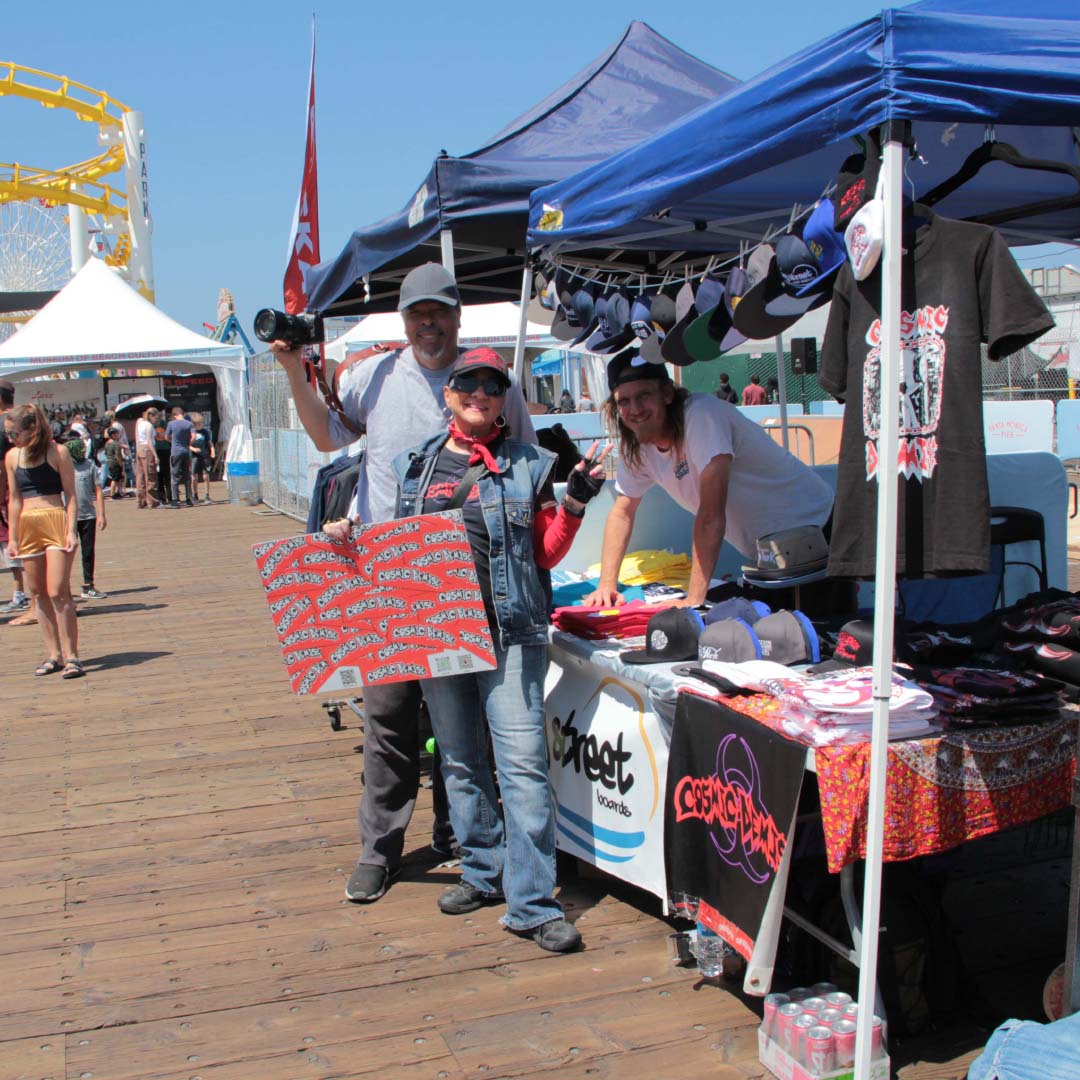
x,y
175,835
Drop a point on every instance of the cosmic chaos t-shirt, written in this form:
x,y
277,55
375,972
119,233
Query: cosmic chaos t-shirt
x,y
960,287
449,468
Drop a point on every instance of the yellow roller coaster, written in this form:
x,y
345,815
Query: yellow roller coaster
x,y
75,185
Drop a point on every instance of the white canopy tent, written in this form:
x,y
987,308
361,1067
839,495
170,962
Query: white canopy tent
x,y
481,324
98,320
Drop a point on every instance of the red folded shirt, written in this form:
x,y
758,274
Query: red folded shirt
x,y
627,621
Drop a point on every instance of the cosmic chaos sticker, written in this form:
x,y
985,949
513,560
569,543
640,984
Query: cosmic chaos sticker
x,y
399,601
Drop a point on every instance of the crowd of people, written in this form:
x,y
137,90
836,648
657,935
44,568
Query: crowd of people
x,y
448,428
52,503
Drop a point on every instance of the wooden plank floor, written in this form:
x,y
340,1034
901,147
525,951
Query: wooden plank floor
x,y
175,835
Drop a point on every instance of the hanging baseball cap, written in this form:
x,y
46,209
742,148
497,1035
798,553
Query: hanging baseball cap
x,y
673,350
640,321
663,318
613,332
864,237
713,333
672,635
542,307
432,281
855,185
820,236
763,284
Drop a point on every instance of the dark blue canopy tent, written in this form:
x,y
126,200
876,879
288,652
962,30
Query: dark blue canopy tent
x,y
737,165
957,71
638,87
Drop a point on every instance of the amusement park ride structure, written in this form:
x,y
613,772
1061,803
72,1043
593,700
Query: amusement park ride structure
x,y
32,199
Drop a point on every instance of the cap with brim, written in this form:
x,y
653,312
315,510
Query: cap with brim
x,y
738,607
732,641
542,307
613,333
854,647
673,350
482,358
788,637
652,349
765,284
640,321
864,238
695,334
561,329
797,268
722,322
826,246
630,366
662,314
855,185
672,635
431,281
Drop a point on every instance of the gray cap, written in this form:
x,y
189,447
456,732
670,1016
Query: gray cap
x,y
432,281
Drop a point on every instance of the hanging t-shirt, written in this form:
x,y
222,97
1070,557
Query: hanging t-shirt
x,y
768,489
960,286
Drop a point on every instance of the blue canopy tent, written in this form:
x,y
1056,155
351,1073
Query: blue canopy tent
x,y
736,166
957,71
473,210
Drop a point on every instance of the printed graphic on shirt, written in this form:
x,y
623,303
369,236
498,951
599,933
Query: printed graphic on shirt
x,y
441,492
922,343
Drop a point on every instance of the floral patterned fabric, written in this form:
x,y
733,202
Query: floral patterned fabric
x,y
941,790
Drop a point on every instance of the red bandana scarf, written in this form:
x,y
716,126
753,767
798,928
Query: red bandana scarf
x,y
478,446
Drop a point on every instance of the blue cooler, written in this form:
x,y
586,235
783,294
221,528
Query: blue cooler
x,y
243,481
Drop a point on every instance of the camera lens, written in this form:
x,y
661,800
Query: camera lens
x,y
271,325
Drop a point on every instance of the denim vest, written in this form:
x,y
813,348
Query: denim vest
x,y
507,500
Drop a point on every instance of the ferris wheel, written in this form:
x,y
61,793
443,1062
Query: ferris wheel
x,y
35,253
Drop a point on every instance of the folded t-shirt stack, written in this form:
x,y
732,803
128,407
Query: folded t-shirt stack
x,y
979,697
641,567
626,621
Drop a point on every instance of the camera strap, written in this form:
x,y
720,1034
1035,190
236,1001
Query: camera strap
x,y
329,390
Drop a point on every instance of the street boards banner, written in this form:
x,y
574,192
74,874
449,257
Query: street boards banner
x,y
399,601
732,789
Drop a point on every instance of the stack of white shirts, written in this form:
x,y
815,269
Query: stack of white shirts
x,y
836,707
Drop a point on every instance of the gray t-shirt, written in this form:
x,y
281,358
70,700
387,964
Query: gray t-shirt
x,y
400,403
85,483
178,432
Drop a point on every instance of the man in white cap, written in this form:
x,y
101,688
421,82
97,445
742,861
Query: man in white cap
x,y
396,400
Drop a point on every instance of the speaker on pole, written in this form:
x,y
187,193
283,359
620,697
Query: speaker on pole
x,y
804,355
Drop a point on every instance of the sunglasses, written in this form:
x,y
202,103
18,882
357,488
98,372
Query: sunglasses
x,y
468,384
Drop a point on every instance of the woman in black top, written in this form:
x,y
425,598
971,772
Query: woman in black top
x,y
42,514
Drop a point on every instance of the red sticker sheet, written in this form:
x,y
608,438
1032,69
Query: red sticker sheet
x,y
399,601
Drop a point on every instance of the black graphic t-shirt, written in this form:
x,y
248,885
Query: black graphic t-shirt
x,y
450,467
960,287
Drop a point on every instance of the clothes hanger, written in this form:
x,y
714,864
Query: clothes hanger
x,y
992,150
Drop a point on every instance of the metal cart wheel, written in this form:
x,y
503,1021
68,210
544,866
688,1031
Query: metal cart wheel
x,y
335,718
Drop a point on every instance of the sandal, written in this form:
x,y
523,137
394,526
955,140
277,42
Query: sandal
x,y
49,667
73,669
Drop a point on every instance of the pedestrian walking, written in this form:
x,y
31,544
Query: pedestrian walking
x,y
90,517
179,431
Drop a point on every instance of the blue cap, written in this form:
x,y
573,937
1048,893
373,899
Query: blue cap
x,y
825,244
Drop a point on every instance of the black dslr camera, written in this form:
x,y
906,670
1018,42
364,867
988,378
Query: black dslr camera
x,y
296,330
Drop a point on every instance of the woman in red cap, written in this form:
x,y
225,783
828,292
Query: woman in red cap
x,y
515,530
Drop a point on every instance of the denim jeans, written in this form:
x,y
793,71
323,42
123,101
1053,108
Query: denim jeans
x,y
1022,1050
515,857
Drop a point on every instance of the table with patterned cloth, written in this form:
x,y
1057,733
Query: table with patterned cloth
x,y
942,790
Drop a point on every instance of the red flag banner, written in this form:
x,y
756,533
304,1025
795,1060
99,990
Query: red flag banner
x,y
304,240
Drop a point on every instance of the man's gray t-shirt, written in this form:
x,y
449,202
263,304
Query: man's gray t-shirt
x,y
178,432
400,402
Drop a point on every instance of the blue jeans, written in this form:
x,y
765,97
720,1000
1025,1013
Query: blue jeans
x,y
1023,1050
517,858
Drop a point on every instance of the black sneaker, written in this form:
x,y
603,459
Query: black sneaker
x,y
557,936
447,849
463,898
369,882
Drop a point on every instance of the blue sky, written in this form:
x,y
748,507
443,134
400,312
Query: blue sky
x,y
222,86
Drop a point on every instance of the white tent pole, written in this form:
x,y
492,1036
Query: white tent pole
x,y
892,172
781,388
446,239
78,234
523,323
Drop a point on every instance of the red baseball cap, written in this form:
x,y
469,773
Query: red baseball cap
x,y
478,359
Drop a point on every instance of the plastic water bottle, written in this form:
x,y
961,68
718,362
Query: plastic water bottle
x,y
709,950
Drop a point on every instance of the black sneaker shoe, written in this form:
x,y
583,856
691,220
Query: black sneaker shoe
x,y
369,882
556,936
463,898
447,849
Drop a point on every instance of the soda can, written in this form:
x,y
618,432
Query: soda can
x,y
844,1042
819,1049
829,1015
799,1027
838,999
785,1017
822,988
799,993
814,1005
772,1003
877,1038
850,1011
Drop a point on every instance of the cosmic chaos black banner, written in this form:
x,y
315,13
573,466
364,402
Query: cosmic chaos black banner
x,y
732,787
